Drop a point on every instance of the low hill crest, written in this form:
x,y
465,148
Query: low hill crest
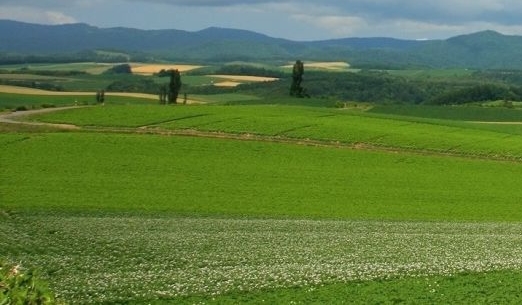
x,y
481,50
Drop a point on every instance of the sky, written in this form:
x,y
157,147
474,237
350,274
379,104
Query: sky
x,y
302,20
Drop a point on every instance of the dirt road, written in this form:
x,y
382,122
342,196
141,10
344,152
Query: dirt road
x,y
12,117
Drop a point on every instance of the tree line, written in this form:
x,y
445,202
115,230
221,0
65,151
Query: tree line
x,y
364,86
84,56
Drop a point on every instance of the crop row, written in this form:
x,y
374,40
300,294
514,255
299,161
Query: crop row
x,y
313,123
459,113
92,259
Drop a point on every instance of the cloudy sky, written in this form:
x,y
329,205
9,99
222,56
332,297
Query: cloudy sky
x,y
292,19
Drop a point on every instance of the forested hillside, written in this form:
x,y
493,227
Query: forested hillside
x,y
23,42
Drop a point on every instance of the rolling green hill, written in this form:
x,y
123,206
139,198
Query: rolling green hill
x,y
23,42
148,204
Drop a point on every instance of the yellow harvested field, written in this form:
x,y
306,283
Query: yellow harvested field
x,y
244,78
149,69
333,65
31,91
227,84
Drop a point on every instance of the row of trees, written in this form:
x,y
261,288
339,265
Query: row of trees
x,y
479,93
381,87
83,56
249,70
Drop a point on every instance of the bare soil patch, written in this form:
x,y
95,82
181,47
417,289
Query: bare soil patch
x,y
236,80
149,69
14,118
227,84
245,78
334,65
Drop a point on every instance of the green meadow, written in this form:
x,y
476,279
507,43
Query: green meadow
x,y
13,101
454,133
266,204
151,173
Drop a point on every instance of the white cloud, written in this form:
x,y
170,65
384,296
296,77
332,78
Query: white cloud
x,y
409,19
58,18
35,15
340,26
294,19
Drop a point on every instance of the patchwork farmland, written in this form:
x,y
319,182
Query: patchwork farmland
x,y
271,201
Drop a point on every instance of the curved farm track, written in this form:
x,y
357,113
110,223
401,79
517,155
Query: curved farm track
x,y
14,118
17,118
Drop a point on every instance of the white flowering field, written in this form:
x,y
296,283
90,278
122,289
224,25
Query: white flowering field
x,y
93,259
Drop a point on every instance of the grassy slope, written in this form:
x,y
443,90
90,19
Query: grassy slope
x,y
11,101
459,113
249,179
97,173
487,288
410,133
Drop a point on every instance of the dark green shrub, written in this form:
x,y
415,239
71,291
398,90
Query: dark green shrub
x,y
21,286
120,69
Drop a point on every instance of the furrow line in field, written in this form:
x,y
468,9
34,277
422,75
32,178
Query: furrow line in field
x,y
293,129
16,118
302,142
172,120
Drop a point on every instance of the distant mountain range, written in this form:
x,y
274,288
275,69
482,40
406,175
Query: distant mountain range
x,y
482,50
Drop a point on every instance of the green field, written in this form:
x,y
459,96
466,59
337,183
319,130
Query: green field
x,y
386,131
250,179
433,73
455,113
13,101
266,204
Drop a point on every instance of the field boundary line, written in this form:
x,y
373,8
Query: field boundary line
x,y
496,123
299,141
172,120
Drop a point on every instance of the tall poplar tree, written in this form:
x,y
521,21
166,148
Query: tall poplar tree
x,y
297,79
174,86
